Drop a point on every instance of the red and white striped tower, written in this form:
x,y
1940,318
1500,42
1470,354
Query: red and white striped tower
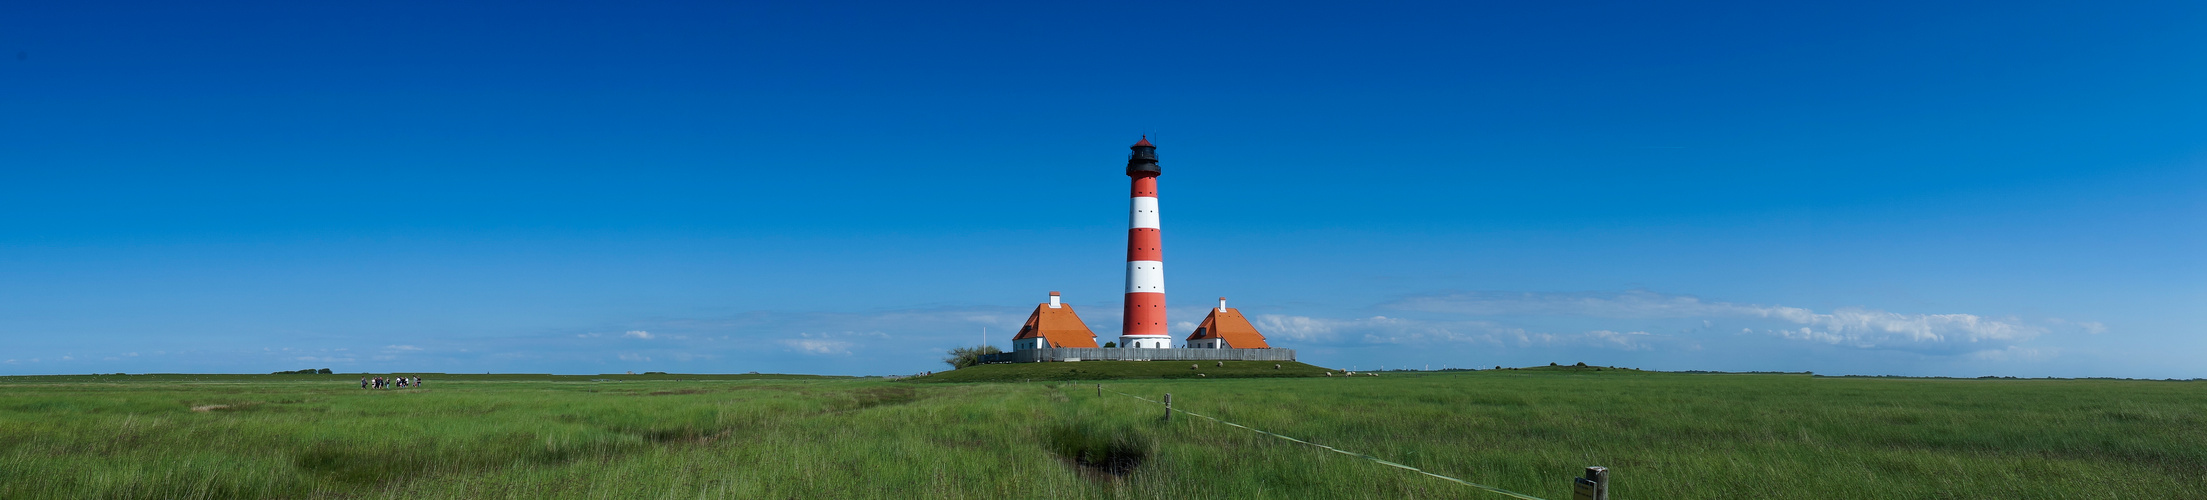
x,y
1145,257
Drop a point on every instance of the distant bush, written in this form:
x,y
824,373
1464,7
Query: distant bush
x,y
968,356
1111,344
308,371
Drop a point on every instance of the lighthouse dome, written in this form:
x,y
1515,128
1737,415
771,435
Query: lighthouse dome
x,y
1143,161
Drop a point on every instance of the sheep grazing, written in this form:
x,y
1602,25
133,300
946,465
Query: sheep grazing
x,y
1205,375
1222,364
1193,366
1275,366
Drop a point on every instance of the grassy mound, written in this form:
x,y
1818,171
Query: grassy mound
x,y
1109,370
1576,368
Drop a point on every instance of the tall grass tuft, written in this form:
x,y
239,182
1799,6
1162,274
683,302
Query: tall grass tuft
x,y
1113,450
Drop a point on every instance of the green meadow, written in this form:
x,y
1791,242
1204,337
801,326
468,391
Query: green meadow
x,y
1664,436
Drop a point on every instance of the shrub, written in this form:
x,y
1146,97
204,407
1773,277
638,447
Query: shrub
x,y
968,356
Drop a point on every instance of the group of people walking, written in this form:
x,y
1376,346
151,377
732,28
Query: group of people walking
x,y
388,383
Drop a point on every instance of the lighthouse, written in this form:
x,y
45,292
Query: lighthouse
x,y
1144,326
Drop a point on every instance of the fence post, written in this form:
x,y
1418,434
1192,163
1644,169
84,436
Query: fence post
x,y
1594,486
1099,390
1168,407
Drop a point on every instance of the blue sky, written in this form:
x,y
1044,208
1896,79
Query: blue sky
x,y
1961,189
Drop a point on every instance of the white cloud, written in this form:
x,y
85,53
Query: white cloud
x,y
1856,327
1630,341
639,334
1804,333
1309,329
2015,353
915,325
818,344
2089,327
1633,304
1605,339
1868,328
629,356
1387,330
401,348
687,356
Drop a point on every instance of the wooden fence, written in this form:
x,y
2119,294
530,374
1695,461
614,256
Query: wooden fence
x,y
1114,354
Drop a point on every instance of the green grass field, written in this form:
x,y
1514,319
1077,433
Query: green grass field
x,y
1665,436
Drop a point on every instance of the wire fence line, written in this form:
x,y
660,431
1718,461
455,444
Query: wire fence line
x,y
1378,460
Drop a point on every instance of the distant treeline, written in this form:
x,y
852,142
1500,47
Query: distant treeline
x,y
309,371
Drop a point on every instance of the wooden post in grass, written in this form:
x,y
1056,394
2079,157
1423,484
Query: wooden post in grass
x,y
1594,486
1099,390
1168,407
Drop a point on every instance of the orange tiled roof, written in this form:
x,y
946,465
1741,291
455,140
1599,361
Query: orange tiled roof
x,y
1060,327
1230,325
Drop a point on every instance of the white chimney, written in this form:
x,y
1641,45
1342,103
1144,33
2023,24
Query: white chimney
x,y
1053,300
1221,304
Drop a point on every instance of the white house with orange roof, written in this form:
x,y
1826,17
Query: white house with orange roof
x,y
1225,328
1053,324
